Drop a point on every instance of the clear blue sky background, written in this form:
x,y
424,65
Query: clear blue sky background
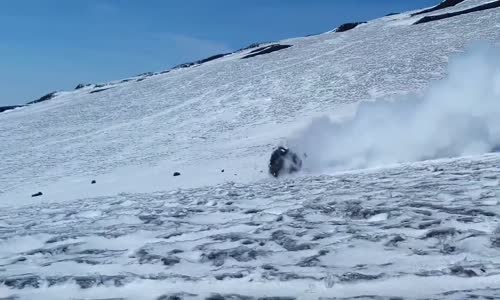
x,y
56,44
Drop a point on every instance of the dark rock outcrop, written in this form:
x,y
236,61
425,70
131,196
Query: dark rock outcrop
x,y
43,98
442,5
82,85
5,108
485,6
184,65
177,174
266,50
348,26
199,62
213,57
146,74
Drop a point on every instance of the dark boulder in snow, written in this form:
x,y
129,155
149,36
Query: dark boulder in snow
x,y
284,161
37,194
177,174
93,182
348,26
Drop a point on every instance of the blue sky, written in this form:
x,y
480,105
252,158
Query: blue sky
x,y
56,44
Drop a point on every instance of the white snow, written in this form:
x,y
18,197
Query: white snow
x,y
365,217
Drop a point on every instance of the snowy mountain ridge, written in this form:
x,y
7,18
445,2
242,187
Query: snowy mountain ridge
x,y
365,219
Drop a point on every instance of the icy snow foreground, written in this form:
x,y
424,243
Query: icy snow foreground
x,y
418,231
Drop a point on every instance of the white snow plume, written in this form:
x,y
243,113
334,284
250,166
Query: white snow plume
x,y
456,116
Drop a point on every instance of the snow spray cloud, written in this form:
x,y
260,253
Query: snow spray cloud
x,y
459,115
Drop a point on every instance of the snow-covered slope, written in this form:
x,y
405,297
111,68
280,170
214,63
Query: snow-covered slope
x,y
231,229
225,114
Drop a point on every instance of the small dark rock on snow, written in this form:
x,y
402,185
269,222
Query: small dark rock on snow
x,y
93,182
177,174
37,194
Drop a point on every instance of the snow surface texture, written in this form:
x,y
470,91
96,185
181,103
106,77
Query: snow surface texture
x,y
412,230
385,232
